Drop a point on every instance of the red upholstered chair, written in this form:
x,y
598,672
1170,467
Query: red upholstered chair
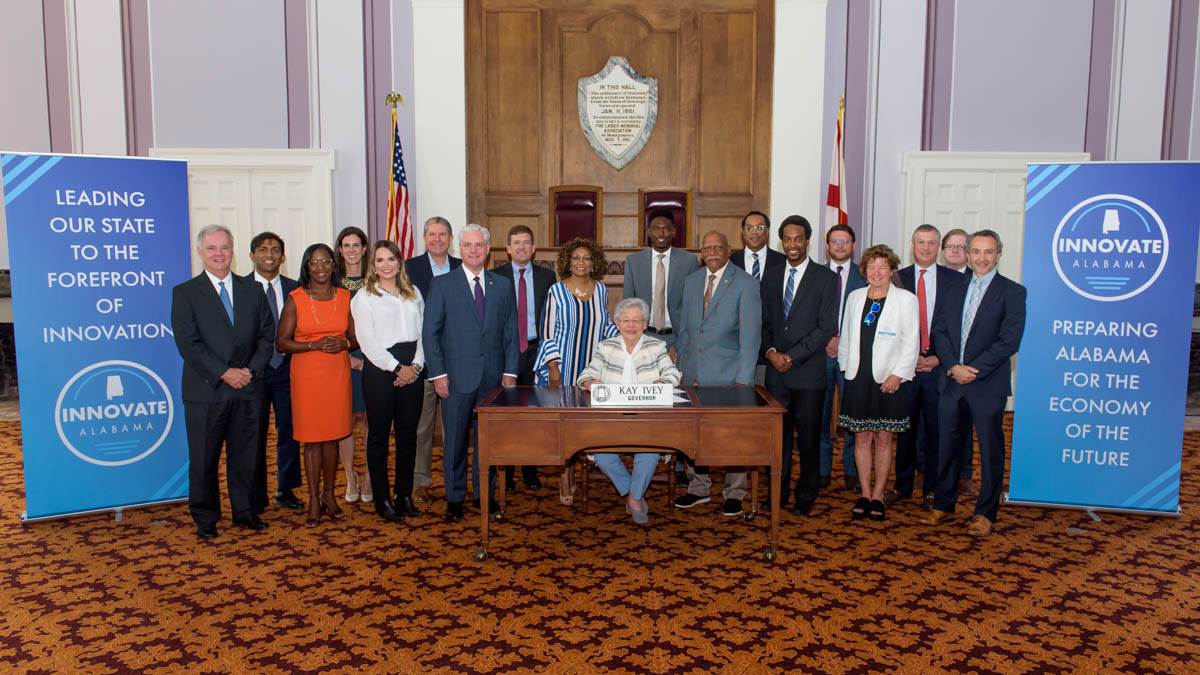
x,y
676,200
576,211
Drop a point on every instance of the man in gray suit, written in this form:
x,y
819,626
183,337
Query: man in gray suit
x,y
657,274
720,332
470,340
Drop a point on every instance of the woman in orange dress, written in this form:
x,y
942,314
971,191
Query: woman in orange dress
x,y
316,328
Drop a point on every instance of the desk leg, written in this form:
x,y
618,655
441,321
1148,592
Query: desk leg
x,y
484,496
773,537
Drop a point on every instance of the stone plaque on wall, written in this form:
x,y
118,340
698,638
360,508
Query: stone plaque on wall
x,y
617,109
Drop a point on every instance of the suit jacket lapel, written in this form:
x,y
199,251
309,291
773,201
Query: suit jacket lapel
x,y
214,300
723,283
464,286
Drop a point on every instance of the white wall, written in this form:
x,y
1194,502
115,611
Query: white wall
x,y
1139,80
340,82
99,69
26,118
218,74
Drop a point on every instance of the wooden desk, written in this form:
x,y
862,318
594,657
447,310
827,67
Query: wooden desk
x,y
719,426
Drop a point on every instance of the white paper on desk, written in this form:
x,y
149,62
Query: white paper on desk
x,y
679,396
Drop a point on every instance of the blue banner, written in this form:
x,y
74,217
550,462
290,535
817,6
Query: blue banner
x,y
96,243
1110,264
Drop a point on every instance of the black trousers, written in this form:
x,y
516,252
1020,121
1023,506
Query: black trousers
x,y
958,407
287,451
923,405
234,423
803,418
391,410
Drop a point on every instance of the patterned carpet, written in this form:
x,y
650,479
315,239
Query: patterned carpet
x,y
565,592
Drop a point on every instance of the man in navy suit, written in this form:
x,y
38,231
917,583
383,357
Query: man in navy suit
x,y
533,282
839,244
930,282
470,340
224,332
976,334
267,254
756,257
434,262
799,307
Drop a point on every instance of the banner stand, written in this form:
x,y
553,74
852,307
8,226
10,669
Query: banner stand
x,y
1090,509
117,511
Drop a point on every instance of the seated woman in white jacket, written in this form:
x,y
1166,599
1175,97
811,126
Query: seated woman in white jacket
x,y
630,358
878,352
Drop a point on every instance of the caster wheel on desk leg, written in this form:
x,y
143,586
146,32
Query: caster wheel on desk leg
x,y
499,516
768,555
749,515
481,555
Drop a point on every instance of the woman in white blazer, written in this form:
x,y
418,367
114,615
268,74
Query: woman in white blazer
x,y
878,352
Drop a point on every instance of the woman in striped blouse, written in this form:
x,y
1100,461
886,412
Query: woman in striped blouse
x,y
630,358
575,321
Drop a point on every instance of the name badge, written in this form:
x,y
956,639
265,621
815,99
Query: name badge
x,y
886,333
631,395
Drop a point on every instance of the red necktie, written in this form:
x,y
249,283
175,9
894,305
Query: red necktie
x,y
522,315
924,312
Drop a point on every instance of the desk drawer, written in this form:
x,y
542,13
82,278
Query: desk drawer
x,y
740,439
616,431
520,439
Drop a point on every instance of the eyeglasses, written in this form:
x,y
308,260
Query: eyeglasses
x,y
841,242
320,262
873,314
754,228
955,247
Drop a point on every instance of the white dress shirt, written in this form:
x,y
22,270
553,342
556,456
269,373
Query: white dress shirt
x,y
748,261
228,281
274,286
381,321
471,279
800,270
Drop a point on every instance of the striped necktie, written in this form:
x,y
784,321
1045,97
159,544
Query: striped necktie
x,y
969,310
757,268
788,291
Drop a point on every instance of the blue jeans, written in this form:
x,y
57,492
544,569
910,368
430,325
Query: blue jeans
x,y
832,375
643,470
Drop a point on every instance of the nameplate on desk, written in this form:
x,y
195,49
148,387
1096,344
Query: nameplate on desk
x,y
632,395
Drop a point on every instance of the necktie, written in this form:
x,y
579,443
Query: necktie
x,y
788,291
969,314
837,330
225,300
708,291
757,268
277,357
479,300
522,314
657,315
924,310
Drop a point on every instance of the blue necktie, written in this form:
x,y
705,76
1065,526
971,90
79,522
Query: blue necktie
x,y
226,301
757,269
789,291
969,310
277,357
479,300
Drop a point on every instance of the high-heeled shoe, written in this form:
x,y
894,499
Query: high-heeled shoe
x,y
352,493
329,505
366,492
314,512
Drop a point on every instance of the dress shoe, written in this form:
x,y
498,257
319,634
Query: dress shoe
x,y
681,478
388,512
208,531
421,493
454,511
824,481
852,484
530,476
927,502
251,523
980,526
935,517
891,497
509,484
802,508
966,488
732,507
405,505
689,500
287,500
493,505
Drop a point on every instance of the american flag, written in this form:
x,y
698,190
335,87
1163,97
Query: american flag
x,y
399,229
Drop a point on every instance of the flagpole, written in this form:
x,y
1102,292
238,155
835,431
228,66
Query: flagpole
x,y
392,99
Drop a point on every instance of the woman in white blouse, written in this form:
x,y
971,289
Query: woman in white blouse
x,y
630,358
390,309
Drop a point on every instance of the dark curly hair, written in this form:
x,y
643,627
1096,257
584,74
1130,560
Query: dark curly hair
x,y
879,251
563,265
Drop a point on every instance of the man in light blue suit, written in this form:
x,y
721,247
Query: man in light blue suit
x,y
720,334
470,341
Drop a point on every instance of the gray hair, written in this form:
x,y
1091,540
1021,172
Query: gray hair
x,y
986,233
210,229
472,227
438,220
925,228
627,304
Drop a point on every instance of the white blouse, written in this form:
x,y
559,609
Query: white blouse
x,y
381,321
